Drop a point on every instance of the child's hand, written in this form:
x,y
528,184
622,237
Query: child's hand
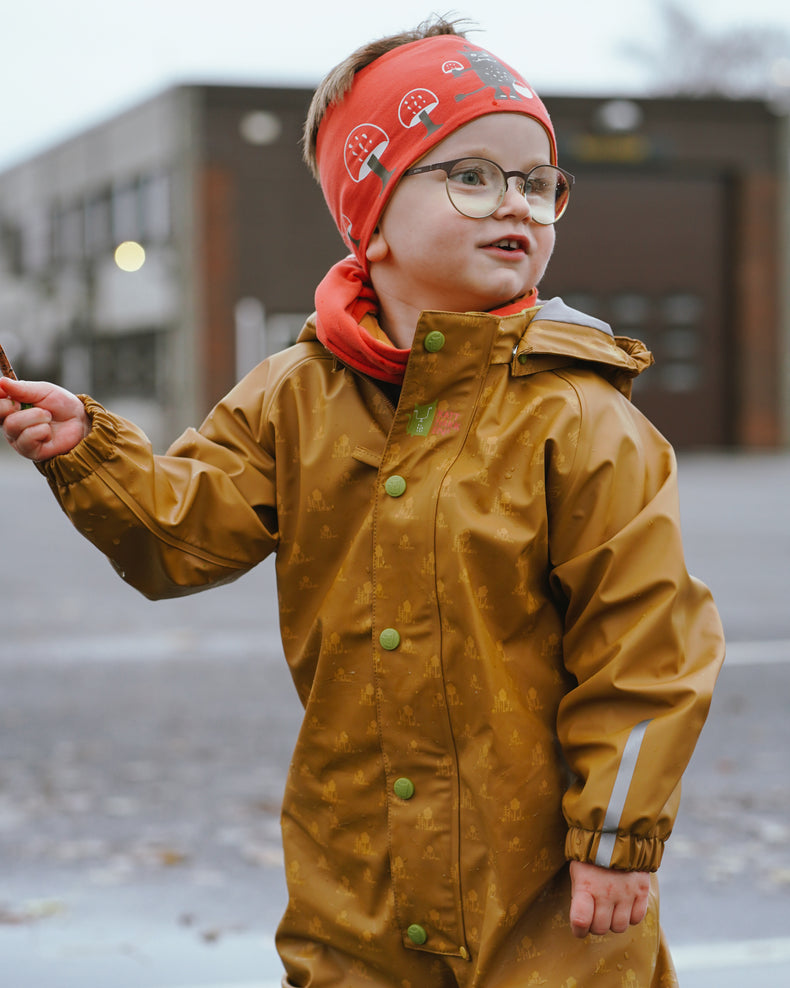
x,y
604,900
55,423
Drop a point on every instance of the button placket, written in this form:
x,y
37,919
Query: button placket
x,y
422,838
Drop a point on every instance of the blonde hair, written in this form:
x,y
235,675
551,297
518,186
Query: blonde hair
x,y
338,82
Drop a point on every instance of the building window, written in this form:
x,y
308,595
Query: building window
x,y
669,326
98,223
682,309
126,212
681,368
155,209
630,310
36,241
11,248
69,233
126,365
584,302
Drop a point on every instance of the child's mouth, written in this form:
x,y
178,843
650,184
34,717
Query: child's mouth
x,y
512,245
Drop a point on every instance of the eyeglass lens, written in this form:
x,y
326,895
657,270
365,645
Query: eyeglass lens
x,y
477,188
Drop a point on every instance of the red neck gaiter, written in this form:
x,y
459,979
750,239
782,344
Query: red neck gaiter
x,y
344,298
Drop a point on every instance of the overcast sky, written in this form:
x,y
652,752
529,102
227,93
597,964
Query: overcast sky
x,y
67,64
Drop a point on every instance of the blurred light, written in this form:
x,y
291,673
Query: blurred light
x,y
260,127
780,72
619,116
129,256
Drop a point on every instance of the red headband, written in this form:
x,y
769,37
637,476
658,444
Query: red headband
x,y
398,108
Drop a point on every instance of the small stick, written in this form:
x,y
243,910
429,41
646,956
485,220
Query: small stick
x,y
7,370
5,366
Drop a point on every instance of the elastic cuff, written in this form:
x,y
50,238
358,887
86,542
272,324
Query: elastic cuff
x,y
95,448
623,851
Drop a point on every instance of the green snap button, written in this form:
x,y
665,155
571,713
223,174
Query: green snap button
x,y
395,485
434,341
416,934
389,639
403,788
523,358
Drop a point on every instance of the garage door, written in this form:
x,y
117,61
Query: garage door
x,y
647,253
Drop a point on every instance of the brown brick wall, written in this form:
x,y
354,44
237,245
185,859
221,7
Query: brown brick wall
x,y
756,259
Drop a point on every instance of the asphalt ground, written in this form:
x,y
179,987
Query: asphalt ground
x,y
143,749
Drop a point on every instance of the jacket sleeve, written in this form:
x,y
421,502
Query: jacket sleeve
x,y
642,638
201,515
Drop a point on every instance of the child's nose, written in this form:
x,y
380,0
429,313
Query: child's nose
x,y
515,202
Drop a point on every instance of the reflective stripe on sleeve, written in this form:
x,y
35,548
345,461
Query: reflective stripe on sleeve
x,y
622,784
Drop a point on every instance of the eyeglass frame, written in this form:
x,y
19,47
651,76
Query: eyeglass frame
x,y
447,166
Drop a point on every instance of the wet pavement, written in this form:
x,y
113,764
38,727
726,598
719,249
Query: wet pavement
x,y
144,748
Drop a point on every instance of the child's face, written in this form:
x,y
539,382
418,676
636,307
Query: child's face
x,y
426,254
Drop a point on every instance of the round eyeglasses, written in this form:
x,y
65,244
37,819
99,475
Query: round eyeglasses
x,y
477,187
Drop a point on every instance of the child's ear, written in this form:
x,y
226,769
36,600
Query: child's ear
x,y
377,248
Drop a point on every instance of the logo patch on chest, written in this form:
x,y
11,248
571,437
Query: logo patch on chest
x,y
428,420
421,420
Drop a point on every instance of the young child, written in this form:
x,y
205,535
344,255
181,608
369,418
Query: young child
x,y
483,599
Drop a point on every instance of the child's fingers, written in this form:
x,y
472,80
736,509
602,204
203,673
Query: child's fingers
x,y
639,909
582,913
35,436
36,443
621,916
25,392
23,420
29,432
589,915
7,406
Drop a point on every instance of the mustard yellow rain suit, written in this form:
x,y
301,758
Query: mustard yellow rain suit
x,y
485,608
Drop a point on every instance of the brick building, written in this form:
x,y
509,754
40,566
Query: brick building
x,y
677,234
